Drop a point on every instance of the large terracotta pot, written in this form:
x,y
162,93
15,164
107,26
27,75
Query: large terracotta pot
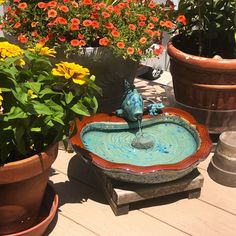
x,y
22,186
110,72
202,82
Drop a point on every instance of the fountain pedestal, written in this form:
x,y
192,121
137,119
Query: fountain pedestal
x,y
121,194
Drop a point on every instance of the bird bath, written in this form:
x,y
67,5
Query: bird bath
x,y
180,143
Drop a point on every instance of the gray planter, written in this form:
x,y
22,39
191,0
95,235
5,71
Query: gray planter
x,y
110,72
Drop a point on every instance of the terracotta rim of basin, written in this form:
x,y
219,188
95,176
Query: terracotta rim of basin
x,y
203,150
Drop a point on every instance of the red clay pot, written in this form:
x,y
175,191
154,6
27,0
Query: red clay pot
x,y
22,187
202,82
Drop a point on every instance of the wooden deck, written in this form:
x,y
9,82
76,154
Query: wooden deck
x,y
84,211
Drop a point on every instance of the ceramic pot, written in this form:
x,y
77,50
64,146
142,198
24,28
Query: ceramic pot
x,y
201,82
222,167
110,72
22,187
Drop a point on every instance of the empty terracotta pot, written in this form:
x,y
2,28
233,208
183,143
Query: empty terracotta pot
x,y
22,187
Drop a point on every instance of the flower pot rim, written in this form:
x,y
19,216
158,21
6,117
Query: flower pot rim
x,y
198,61
28,167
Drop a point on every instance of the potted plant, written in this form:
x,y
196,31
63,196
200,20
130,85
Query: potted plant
x,y
38,105
124,28
203,55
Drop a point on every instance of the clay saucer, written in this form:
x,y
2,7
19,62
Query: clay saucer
x,y
47,213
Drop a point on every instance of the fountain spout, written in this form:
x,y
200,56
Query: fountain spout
x,y
132,105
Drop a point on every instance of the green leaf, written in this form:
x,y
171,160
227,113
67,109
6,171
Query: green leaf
x,y
80,109
35,86
69,97
48,121
36,129
58,120
54,106
42,109
15,113
47,91
19,137
21,96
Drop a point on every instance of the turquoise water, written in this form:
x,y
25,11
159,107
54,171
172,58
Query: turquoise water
x,y
173,142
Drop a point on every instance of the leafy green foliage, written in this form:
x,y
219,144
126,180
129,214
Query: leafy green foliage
x,y
38,108
212,19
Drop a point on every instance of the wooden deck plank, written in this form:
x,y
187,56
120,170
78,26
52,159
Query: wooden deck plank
x,y
64,226
195,217
89,208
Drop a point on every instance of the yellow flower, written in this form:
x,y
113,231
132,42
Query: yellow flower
x,y
70,70
2,1
45,51
20,62
1,98
31,93
9,50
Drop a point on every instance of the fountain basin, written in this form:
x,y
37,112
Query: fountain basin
x,y
180,143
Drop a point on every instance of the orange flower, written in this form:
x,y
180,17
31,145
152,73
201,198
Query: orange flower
x,y
151,5
64,8
115,33
109,25
132,27
154,19
87,2
159,50
61,20
74,27
52,13
8,8
182,19
157,33
140,52
169,24
104,41
150,25
162,23
22,38
95,24
110,8
17,25
34,33
82,43
130,50
75,4
62,38
120,45
74,42
80,36
142,17
141,23
87,23
42,5
43,40
121,5
143,40
75,21
52,4
105,14
34,24
22,5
